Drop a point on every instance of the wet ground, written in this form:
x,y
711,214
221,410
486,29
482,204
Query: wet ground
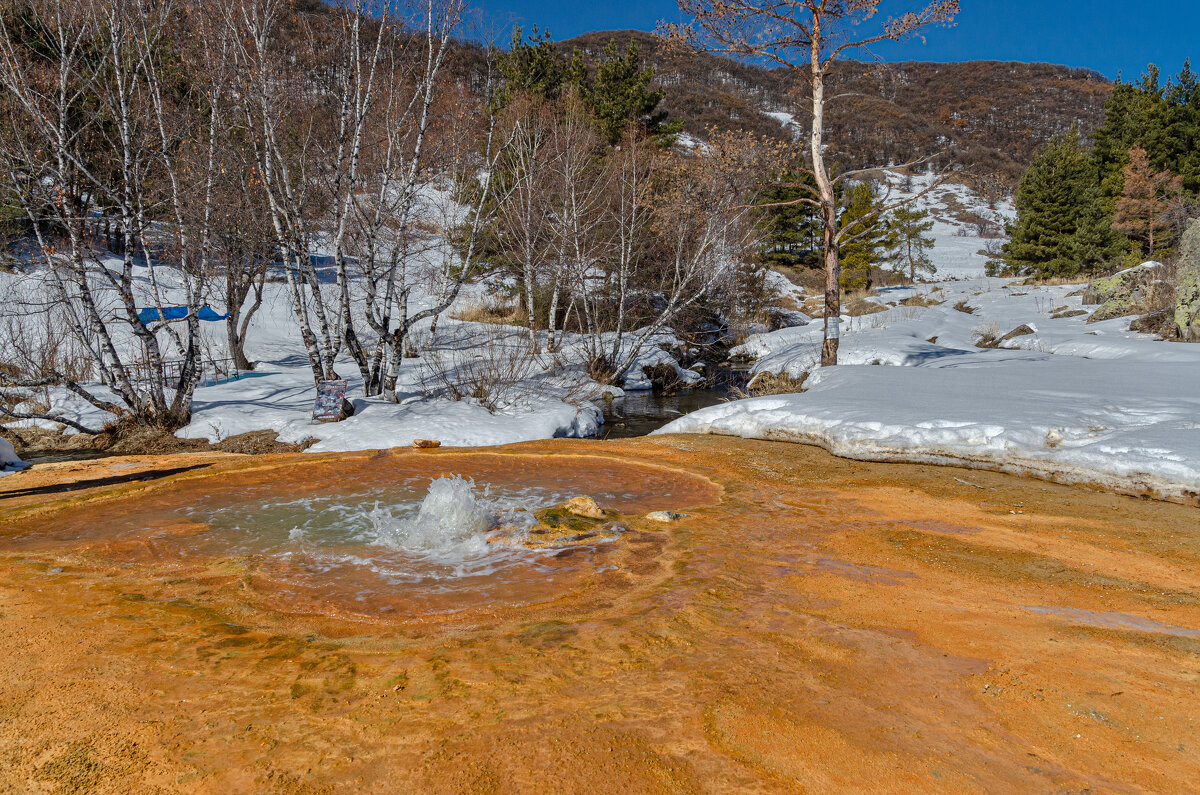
x,y
811,624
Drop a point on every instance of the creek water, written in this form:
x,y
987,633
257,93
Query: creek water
x,y
639,413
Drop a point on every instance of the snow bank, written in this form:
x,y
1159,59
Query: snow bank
x,y
282,401
9,462
1130,426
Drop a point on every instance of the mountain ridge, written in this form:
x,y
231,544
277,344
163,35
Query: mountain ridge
x,y
985,117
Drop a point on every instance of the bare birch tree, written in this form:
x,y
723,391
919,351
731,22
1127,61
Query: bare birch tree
x,y
523,228
72,171
808,38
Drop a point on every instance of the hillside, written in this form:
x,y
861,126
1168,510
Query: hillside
x,y
987,116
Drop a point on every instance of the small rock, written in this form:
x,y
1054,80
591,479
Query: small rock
x,y
426,444
1022,330
585,507
665,516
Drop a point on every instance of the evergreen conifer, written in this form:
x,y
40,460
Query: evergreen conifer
x,y
910,226
1061,226
791,228
869,235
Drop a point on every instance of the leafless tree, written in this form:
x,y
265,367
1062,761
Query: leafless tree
x,y
523,226
806,37
75,172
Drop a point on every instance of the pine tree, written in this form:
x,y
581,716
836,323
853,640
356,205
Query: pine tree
x,y
1162,119
869,237
532,67
1181,137
620,93
791,229
1094,242
1061,226
1141,211
909,226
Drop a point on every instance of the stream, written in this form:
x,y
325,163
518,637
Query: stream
x,y
643,411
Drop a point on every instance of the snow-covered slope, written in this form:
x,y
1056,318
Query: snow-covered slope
x,y
953,207
1073,402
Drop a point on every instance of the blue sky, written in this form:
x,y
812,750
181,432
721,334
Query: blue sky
x,y
1105,35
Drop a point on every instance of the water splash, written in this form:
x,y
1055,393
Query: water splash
x,y
452,522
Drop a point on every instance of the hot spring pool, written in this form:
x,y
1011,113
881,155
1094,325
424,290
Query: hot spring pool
x,y
381,536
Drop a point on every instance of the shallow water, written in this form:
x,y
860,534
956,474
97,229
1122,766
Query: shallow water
x,y
393,535
1114,620
639,413
823,624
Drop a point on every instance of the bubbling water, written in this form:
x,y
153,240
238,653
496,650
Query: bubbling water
x,y
378,536
452,523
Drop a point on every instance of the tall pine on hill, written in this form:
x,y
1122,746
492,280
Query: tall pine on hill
x,y
1061,227
616,95
532,67
620,93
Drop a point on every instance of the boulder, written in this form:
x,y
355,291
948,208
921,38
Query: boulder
x,y
665,516
1160,322
1117,306
1133,291
585,507
1120,284
1187,288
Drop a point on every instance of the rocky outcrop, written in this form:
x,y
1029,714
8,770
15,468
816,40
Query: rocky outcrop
x,y
585,507
1133,291
1187,288
1121,283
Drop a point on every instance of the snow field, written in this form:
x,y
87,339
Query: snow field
x,y
1071,402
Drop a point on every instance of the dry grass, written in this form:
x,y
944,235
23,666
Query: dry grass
x,y
857,304
262,443
771,384
963,306
492,373
921,299
811,279
494,314
986,335
133,439
1056,280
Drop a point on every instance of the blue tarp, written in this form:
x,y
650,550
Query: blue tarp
x,y
151,314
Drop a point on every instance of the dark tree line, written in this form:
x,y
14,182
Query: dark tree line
x,y
1124,197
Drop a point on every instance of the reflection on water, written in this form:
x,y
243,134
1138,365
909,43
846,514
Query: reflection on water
x,y
639,413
